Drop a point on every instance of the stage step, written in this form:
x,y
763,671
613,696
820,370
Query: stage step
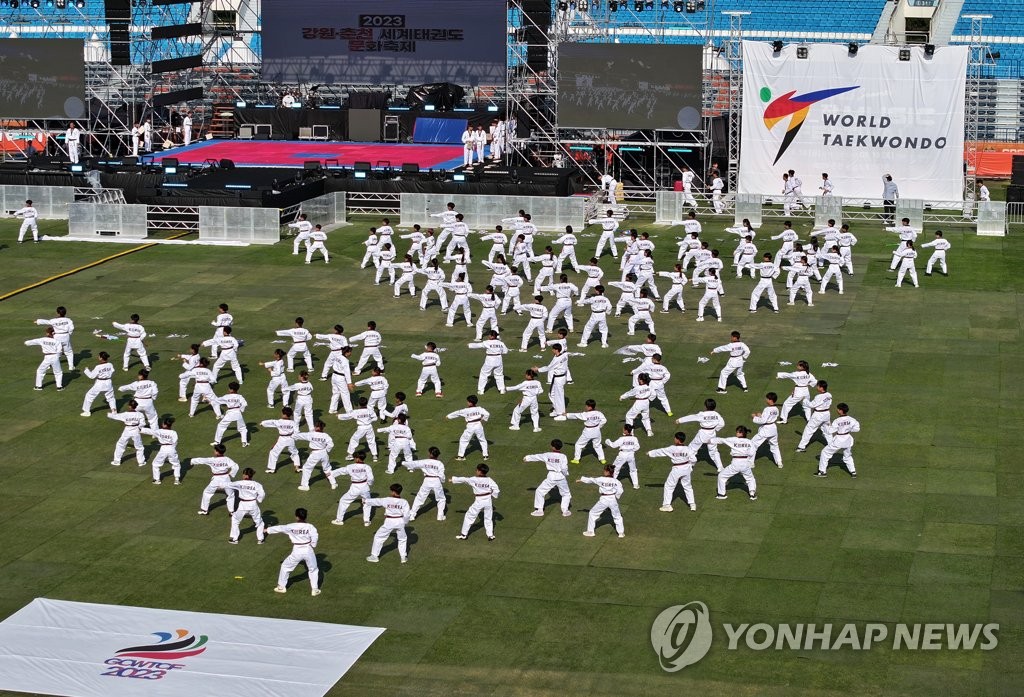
x,y
222,125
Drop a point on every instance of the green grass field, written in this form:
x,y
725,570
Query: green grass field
x,y
931,531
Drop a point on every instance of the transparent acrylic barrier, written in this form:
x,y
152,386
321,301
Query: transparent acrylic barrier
x,y
749,206
326,210
668,206
51,201
912,208
550,213
106,220
828,208
991,219
252,225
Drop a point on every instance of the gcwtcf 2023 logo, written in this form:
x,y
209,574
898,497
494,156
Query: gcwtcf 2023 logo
x,y
154,661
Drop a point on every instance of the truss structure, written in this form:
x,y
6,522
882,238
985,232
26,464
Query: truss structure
x,y
648,159
734,113
978,54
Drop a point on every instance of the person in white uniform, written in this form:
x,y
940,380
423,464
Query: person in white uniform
x,y
133,422
433,483
557,370
710,422
278,379
317,239
303,390
227,354
563,292
73,138
819,407
51,348
687,177
234,406
531,388
396,517
479,143
802,381
738,352
600,306
609,226
488,312
768,431
303,230
538,316
102,375
593,422
222,470
609,493
628,445
430,361
286,428
167,438
941,245
641,395
320,446
371,340
682,458
304,539
144,392
364,418
767,272
186,128
907,257
300,336
485,490
223,319
717,187
135,340
742,451
475,416
494,352
202,390
29,220
840,438
712,290
826,187
378,384
557,467
361,479
250,495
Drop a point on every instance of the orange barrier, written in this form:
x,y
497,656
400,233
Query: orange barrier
x,y
8,144
995,159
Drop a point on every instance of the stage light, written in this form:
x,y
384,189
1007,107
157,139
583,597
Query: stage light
x,y
563,7
584,5
649,5
691,7
35,4
801,52
777,46
80,4
429,107
638,6
678,5
664,4
14,4
613,5
929,50
359,174
994,55
853,48
904,54
700,5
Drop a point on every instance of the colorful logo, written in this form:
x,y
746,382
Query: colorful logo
x,y
794,107
171,647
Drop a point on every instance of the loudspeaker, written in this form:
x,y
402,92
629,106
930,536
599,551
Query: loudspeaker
x,y
1015,194
362,166
119,16
227,164
169,162
311,164
410,167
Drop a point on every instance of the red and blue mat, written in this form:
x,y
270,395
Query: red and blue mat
x,y
294,153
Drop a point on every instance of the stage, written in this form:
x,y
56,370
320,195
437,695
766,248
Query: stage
x,y
292,154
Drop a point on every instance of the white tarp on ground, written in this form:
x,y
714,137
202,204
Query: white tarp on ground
x,y
87,650
856,117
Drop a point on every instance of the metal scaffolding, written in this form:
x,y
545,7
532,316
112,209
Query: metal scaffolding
x,y
648,159
734,58
976,59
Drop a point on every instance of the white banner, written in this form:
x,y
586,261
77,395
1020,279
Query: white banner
x,y
85,650
857,117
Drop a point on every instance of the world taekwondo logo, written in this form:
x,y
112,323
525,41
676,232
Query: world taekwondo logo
x,y
154,661
681,635
796,108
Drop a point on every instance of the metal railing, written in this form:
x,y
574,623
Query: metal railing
x,y
372,203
